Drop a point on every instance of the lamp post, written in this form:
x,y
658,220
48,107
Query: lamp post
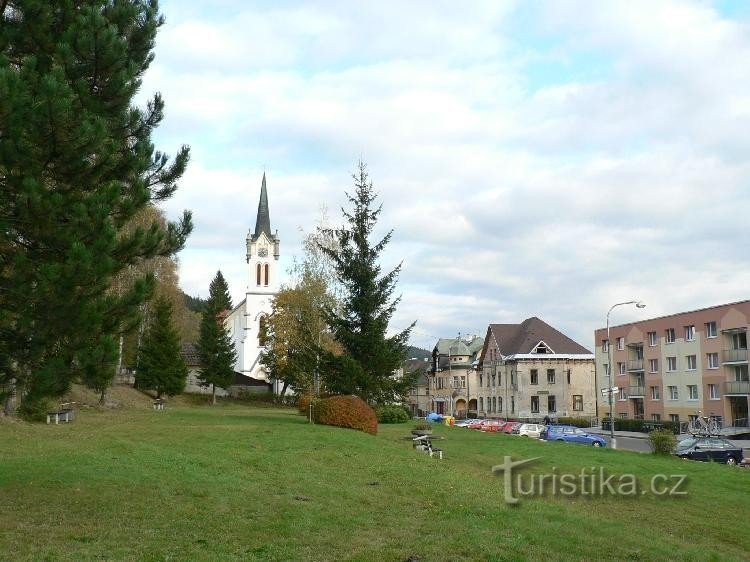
x,y
638,304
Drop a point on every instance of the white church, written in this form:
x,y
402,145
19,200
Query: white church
x,y
246,321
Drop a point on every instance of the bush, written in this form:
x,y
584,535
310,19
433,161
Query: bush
x,y
422,425
392,414
34,410
577,422
662,442
346,411
303,404
257,397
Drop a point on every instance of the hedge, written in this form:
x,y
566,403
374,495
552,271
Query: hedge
x,y
346,411
392,414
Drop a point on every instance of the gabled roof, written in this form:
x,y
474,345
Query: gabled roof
x,y
516,339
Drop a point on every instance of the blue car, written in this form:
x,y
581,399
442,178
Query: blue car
x,y
573,434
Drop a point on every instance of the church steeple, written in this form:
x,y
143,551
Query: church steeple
x,y
263,220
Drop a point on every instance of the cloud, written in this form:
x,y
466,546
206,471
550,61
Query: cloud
x,y
542,159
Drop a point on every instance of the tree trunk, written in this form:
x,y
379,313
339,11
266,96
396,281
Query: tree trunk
x,y
283,389
103,396
213,394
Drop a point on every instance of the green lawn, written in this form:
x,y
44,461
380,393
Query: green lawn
x,y
234,482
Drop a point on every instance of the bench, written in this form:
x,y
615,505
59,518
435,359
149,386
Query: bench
x,y
159,404
424,443
60,416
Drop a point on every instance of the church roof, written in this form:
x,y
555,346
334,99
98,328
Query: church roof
x,y
263,220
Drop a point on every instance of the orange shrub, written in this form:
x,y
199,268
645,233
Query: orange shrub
x,y
303,404
346,411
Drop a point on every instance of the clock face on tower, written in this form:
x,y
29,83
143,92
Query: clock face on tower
x,y
262,252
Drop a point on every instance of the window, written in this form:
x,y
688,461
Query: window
x,y
481,404
551,404
568,376
499,403
674,418
620,343
534,404
655,393
691,362
669,335
265,274
534,376
740,373
257,274
623,394
550,376
710,329
739,341
621,368
656,417
541,349
578,402
692,391
712,359
481,376
512,404
689,333
713,391
652,339
606,370
605,346
653,365
494,403
624,416
673,393
493,380
671,364
263,331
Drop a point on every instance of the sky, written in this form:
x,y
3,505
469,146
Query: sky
x,y
533,158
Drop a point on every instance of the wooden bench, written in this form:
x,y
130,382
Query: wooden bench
x,y
60,416
159,404
424,443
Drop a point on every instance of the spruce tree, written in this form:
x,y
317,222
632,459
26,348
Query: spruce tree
x,y
361,323
76,164
160,365
215,347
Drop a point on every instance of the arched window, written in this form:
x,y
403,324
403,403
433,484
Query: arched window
x,y
265,272
262,331
257,274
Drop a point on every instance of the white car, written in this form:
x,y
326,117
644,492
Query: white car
x,y
531,430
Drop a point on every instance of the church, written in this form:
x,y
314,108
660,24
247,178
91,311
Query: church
x,y
246,322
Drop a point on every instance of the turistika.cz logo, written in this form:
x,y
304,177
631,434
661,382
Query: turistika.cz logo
x,y
590,481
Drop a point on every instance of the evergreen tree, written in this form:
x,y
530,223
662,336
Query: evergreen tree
x,y
360,325
160,366
215,347
76,165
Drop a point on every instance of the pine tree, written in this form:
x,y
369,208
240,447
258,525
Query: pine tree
x,y
160,366
76,164
215,347
370,357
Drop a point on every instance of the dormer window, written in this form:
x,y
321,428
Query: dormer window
x,y
540,349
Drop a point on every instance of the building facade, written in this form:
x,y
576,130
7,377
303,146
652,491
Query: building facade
x,y
672,367
452,384
247,320
531,370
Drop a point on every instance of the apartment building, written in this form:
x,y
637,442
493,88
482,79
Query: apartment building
x,y
672,367
531,370
452,388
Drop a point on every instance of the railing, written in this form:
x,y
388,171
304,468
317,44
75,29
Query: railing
x,y
635,365
740,422
636,392
737,387
734,355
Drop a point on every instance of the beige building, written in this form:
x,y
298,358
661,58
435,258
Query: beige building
x,y
671,367
531,370
453,382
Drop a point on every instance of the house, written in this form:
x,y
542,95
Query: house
x,y
453,388
672,367
531,370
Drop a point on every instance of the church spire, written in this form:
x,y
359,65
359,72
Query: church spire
x,y
263,221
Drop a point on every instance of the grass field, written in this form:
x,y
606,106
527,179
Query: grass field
x,y
235,482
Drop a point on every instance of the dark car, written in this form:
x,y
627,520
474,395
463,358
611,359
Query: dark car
x,y
713,449
572,434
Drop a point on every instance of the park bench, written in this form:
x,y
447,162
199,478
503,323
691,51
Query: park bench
x,y
424,443
159,404
64,413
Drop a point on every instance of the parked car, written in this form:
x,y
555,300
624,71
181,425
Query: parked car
x,y
476,424
709,449
493,426
572,434
531,430
465,423
511,427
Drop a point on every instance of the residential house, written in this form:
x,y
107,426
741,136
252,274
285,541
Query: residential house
x,y
531,370
672,367
453,379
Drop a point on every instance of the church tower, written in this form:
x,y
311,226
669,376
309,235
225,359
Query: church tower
x,y
246,322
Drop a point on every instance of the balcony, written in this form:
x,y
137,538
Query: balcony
x,y
635,364
734,356
741,388
636,392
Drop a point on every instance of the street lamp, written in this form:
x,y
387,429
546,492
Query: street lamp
x,y
638,304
